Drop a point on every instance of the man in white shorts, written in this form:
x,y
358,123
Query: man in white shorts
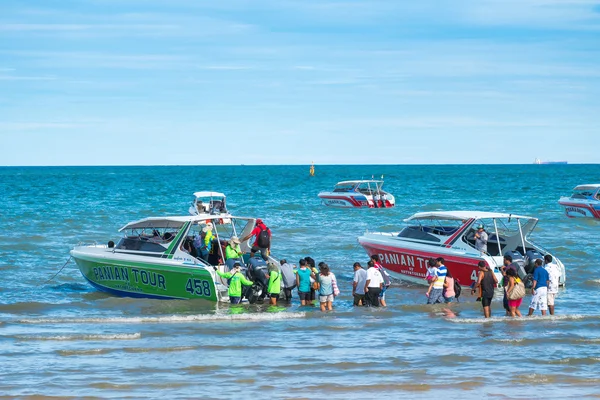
x,y
539,301
553,277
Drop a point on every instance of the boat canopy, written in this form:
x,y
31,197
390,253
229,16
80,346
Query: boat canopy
x,y
208,194
175,222
592,187
463,215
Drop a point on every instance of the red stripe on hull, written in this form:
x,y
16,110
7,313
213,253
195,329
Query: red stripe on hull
x,y
595,213
413,263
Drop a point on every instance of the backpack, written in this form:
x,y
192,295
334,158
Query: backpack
x,y
264,239
457,289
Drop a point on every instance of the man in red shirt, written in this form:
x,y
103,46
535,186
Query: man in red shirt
x,y
262,241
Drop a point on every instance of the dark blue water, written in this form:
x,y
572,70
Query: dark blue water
x,y
62,338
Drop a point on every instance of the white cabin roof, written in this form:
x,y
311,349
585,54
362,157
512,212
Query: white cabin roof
x,y
208,194
359,181
462,215
590,186
174,222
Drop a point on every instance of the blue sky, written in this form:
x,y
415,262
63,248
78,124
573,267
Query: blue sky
x,y
145,82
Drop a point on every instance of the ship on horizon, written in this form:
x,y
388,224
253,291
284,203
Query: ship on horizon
x,y
538,161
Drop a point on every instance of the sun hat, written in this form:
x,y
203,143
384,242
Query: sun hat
x,y
205,229
235,240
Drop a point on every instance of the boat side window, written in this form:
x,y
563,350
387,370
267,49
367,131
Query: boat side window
x,y
417,232
344,188
136,244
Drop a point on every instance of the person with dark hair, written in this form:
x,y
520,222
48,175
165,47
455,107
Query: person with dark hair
x,y
449,294
513,305
435,293
387,281
327,287
262,240
373,285
358,285
487,281
303,277
539,290
507,265
310,263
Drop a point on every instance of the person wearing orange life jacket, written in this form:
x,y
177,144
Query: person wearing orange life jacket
x,y
262,241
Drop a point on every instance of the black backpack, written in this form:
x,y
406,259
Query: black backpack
x,y
457,289
264,239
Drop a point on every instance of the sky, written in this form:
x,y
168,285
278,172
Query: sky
x,y
260,82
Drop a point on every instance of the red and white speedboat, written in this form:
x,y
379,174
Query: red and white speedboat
x,y
361,193
450,234
584,202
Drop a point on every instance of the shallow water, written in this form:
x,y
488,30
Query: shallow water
x,y
60,337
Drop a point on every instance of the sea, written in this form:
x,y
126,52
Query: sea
x,y
61,338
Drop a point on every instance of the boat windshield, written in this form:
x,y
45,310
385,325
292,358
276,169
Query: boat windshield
x,y
583,194
346,187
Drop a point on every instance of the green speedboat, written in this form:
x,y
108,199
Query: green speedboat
x,y
159,258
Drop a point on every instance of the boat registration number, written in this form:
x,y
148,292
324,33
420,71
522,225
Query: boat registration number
x,y
198,287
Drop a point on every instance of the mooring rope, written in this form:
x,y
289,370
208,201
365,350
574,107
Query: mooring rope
x,y
61,268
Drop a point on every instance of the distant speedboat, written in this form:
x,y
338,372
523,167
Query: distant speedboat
x,y
450,234
584,202
355,194
208,203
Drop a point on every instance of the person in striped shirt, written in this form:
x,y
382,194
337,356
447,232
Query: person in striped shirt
x,y
435,293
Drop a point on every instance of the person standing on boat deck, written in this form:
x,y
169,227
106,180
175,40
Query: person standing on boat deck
x,y
385,276
373,285
233,249
303,276
206,243
553,277
481,239
358,285
539,301
487,281
236,280
435,293
262,241
274,286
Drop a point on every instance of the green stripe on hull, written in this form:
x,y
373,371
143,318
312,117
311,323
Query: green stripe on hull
x,y
152,280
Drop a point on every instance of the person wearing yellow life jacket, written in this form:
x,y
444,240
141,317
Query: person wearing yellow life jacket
x,y
236,280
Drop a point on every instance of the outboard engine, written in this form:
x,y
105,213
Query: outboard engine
x,y
530,258
257,273
518,261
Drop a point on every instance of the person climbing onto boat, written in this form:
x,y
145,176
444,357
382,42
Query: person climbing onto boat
x,y
236,280
233,249
262,241
274,286
487,281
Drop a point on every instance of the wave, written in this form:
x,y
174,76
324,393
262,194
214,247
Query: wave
x,y
533,318
116,336
167,319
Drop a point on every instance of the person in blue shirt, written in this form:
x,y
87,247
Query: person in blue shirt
x,y
539,289
303,275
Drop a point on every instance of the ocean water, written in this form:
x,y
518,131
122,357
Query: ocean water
x,y
59,337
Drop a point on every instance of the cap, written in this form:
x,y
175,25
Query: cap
x,y
480,226
259,221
